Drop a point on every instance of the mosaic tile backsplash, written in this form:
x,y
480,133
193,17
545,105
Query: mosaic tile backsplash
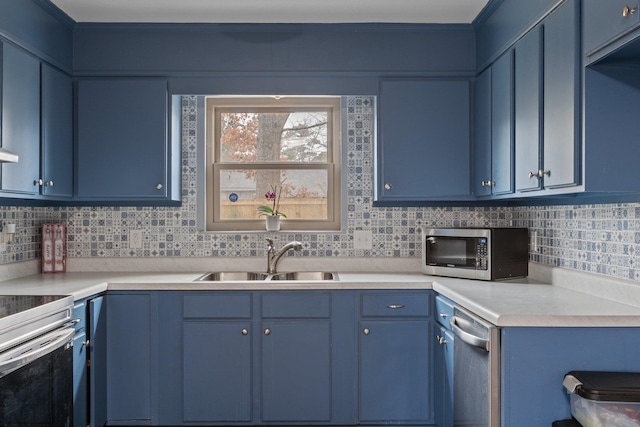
x,y
594,238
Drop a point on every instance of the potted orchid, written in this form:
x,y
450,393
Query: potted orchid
x,y
271,212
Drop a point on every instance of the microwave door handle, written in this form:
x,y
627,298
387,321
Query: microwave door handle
x,y
44,349
466,337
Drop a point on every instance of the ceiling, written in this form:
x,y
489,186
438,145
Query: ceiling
x,y
273,11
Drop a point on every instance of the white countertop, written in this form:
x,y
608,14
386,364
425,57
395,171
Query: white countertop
x,y
517,303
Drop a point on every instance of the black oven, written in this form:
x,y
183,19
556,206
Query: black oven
x,y
36,367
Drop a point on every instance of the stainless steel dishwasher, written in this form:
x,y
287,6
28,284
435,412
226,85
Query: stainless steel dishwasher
x,y
476,374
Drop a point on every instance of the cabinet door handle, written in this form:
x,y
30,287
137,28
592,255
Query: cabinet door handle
x,y
159,187
38,181
488,183
366,331
395,306
542,173
532,175
267,331
441,340
245,332
387,186
49,183
86,343
628,11
443,315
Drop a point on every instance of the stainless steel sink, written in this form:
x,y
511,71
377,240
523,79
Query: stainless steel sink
x,y
228,276
305,275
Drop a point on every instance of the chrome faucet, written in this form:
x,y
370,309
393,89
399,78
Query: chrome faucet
x,y
273,257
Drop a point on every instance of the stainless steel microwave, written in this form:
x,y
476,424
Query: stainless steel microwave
x,y
476,253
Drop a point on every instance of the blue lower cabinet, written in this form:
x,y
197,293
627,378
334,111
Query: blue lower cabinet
x,y
129,359
296,371
443,376
268,358
217,379
395,358
535,361
395,371
80,372
97,330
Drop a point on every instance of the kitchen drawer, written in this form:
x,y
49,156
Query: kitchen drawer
x,y
395,305
236,306
444,311
296,305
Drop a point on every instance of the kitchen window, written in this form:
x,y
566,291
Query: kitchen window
x,y
257,146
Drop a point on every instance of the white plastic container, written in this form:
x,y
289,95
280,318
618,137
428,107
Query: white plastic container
x,y
604,399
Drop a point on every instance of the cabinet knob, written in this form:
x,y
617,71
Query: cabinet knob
x,y
366,331
245,332
159,187
443,315
532,175
628,11
542,173
267,331
441,340
488,183
85,343
38,181
49,183
387,186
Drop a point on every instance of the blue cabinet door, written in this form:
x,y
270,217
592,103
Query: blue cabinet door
x,y
217,366
562,96
395,371
122,148
80,372
20,120
528,110
443,376
605,21
482,135
502,125
57,133
424,148
535,361
296,371
97,329
129,358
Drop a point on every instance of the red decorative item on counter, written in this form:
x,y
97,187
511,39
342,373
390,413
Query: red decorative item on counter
x,y
54,257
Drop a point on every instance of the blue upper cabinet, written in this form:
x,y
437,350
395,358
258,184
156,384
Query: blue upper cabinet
x,y
57,133
482,179
493,154
562,92
607,21
423,150
122,149
20,121
528,110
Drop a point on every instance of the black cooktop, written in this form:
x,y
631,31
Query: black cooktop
x,y
13,304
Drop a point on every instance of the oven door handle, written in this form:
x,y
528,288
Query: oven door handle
x,y
466,337
34,349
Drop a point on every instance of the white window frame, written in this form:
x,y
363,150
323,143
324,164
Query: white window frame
x,y
333,164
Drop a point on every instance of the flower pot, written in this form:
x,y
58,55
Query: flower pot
x,y
272,222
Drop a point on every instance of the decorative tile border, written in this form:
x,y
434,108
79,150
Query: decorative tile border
x,y
593,238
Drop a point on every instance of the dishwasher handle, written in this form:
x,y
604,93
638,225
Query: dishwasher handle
x,y
467,337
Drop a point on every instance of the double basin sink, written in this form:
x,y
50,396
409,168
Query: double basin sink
x,y
230,276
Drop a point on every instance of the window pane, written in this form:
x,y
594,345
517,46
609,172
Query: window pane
x,y
273,136
302,192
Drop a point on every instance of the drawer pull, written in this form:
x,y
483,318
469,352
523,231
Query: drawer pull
x,y
244,332
395,306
